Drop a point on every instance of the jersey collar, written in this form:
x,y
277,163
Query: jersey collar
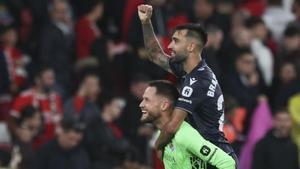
x,y
200,66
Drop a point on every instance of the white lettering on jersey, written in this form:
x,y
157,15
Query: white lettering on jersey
x,y
212,87
187,91
185,100
220,103
221,122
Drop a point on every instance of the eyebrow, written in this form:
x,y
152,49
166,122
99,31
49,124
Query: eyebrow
x,y
175,38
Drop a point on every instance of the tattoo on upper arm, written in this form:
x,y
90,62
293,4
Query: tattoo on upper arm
x,y
155,51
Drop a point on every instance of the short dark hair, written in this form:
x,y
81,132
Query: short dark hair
x,y
72,123
194,30
165,88
41,70
26,112
254,21
241,52
281,110
89,5
106,98
291,31
88,75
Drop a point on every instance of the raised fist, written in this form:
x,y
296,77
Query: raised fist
x,y
145,12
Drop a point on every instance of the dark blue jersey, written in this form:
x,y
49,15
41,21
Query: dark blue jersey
x,y
201,96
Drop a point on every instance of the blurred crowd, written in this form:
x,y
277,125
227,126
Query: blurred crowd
x,y
73,72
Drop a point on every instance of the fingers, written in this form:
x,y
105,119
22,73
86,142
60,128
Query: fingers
x,y
145,9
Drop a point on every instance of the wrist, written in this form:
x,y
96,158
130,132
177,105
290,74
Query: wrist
x,y
147,21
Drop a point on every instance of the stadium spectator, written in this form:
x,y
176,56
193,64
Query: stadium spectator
x,y
211,52
104,141
222,15
282,88
277,18
203,11
261,52
43,97
240,39
27,127
244,83
56,42
13,72
137,134
110,58
64,151
277,140
290,46
84,104
87,30
15,58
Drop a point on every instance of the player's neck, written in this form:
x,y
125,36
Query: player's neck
x,y
191,62
164,119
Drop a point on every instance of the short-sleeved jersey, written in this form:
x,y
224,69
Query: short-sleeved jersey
x,y
202,98
189,150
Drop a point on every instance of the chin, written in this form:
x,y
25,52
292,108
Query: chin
x,y
146,120
178,59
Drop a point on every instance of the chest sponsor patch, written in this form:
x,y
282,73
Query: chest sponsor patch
x,y
187,91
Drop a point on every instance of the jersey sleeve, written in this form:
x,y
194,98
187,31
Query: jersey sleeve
x,y
203,149
190,97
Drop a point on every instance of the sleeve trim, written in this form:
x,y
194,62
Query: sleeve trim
x,y
176,107
212,155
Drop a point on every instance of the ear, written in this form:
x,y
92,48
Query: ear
x,y
191,47
165,105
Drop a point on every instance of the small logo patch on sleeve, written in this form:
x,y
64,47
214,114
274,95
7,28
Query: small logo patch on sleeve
x,y
205,150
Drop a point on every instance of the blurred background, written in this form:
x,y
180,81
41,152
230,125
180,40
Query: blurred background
x,y
72,74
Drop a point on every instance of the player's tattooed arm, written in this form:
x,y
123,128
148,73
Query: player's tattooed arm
x,y
155,51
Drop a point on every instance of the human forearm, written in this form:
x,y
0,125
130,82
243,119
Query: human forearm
x,y
170,128
166,135
155,51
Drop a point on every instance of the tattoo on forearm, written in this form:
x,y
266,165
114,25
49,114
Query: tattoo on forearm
x,y
156,53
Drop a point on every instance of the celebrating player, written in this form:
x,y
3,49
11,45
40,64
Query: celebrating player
x,y
188,149
201,98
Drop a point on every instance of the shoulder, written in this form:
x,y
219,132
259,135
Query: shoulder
x,y
27,93
262,143
48,147
185,133
203,76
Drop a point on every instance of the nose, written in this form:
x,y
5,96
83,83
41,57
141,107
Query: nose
x,y
141,104
170,45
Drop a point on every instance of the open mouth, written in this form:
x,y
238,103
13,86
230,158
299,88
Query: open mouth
x,y
172,53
